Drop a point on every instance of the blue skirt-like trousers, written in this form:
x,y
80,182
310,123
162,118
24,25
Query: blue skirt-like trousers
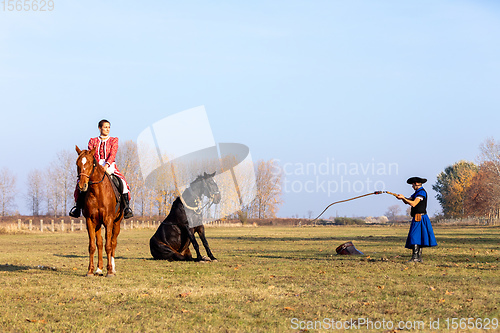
x,y
421,233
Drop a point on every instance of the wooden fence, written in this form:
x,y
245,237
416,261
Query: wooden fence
x,y
469,221
62,225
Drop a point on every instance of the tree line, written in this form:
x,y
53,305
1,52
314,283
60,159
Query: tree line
x,y
50,191
467,189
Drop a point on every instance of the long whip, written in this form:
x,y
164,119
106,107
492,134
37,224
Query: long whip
x,y
360,196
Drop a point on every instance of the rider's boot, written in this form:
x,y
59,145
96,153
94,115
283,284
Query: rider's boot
x,y
76,211
127,212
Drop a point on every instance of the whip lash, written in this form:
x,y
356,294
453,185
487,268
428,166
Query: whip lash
x,y
360,196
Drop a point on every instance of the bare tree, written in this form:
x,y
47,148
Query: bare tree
x,y
34,194
68,176
53,198
490,152
7,191
269,190
393,211
127,160
61,181
144,199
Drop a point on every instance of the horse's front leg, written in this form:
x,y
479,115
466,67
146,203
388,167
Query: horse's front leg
x,y
91,234
110,267
99,251
114,242
194,242
201,233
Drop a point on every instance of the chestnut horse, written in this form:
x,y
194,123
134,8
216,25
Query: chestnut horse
x,y
173,236
99,209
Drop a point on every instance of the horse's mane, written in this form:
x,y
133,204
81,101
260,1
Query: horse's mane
x,y
177,202
198,178
177,208
201,177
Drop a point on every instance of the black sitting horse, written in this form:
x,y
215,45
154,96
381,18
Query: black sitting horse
x,y
171,240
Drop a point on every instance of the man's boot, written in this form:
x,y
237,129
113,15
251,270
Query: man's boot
x,y
414,255
419,254
127,212
77,210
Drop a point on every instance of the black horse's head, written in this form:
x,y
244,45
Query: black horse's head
x,y
205,185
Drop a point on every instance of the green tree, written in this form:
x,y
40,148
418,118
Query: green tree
x,y
451,187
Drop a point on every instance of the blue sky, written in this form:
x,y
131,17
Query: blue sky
x,y
411,83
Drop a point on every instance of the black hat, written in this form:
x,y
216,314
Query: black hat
x,y
416,180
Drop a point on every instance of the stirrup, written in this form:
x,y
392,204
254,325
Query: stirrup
x,y
127,213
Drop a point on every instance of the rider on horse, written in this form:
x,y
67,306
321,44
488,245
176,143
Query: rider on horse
x,y
106,148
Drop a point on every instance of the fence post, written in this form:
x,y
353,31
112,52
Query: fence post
x,y
124,224
72,225
62,225
81,225
19,224
148,224
52,225
41,225
31,225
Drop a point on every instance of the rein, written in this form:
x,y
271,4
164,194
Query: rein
x,y
211,202
361,196
195,209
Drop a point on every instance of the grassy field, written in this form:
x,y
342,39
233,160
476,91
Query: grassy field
x,y
267,279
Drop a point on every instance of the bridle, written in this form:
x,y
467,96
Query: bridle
x,y
198,209
92,172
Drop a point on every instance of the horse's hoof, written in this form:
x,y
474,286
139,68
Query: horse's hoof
x,y
90,275
214,260
110,275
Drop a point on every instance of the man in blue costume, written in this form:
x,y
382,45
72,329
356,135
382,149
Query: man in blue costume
x,y
421,233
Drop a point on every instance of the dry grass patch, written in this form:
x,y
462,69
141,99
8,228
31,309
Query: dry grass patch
x,y
265,277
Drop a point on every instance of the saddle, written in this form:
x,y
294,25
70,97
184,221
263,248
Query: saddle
x,y
117,186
